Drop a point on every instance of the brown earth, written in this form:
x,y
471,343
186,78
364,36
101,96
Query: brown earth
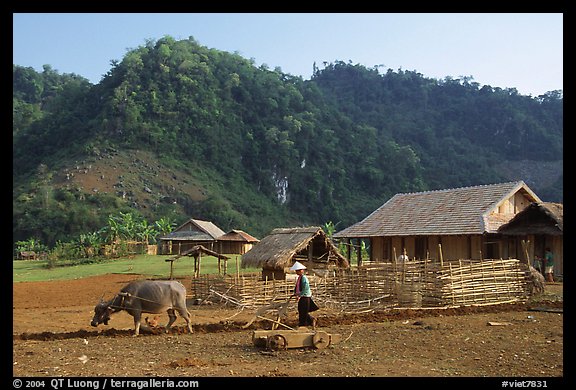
x,y
52,337
136,176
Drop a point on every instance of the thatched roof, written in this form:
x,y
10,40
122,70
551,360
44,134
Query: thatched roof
x,y
537,218
464,210
277,250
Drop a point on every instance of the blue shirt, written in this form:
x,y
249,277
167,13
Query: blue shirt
x,y
549,259
304,286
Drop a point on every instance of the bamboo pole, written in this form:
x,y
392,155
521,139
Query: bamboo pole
x,y
440,255
451,285
461,274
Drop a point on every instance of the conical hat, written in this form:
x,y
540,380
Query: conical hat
x,y
297,266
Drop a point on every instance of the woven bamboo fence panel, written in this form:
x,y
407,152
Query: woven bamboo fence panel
x,y
413,284
247,290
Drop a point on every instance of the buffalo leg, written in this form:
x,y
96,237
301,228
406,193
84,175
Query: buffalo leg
x,y
137,319
186,315
138,324
172,318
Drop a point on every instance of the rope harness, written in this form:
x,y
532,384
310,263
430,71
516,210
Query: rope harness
x,y
125,295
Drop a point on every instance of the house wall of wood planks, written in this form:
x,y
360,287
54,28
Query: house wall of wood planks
x,y
426,247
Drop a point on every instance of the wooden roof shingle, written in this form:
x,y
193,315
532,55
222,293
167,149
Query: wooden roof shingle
x,y
464,210
195,230
238,236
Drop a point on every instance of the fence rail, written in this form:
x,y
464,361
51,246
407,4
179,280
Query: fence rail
x,y
413,284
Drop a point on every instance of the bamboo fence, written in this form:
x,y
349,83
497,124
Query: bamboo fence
x,y
412,284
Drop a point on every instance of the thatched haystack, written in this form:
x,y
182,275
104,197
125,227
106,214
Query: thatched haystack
x,y
536,281
278,251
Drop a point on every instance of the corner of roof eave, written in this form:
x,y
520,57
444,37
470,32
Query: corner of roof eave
x,y
483,223
519,185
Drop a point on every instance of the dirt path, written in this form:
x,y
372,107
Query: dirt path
x,y
52,337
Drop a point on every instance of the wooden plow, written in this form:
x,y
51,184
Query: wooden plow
x,y
297,338
281,339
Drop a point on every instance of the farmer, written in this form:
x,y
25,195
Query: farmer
x,y
549,265
303,295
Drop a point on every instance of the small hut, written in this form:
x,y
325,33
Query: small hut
x,y
236,242
278,251
191,233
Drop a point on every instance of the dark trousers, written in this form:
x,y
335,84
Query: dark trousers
x,y
304,317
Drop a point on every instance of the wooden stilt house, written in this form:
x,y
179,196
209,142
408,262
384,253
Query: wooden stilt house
x,y
236,242
191,233
458,223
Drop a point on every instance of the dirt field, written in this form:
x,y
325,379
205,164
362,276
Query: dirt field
x,y
52,337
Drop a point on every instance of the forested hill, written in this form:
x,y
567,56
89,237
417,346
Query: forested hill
x,y
178,130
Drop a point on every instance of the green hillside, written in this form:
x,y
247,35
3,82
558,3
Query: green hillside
x,y
179,130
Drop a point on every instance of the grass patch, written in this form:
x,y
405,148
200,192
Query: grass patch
x,y
153,266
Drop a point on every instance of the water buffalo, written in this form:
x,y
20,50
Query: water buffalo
x,y
145,296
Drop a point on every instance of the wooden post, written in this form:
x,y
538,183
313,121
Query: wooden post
x,y
237,267
526,254
171,266
349,249
451,279
440,255
394,254
461,281
404,271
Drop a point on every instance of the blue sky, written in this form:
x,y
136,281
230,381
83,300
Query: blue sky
x,y
506,50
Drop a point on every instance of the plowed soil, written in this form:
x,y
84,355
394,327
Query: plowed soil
x,y
52,337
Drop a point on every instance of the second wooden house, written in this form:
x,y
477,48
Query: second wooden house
x,y
191,233
458,223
